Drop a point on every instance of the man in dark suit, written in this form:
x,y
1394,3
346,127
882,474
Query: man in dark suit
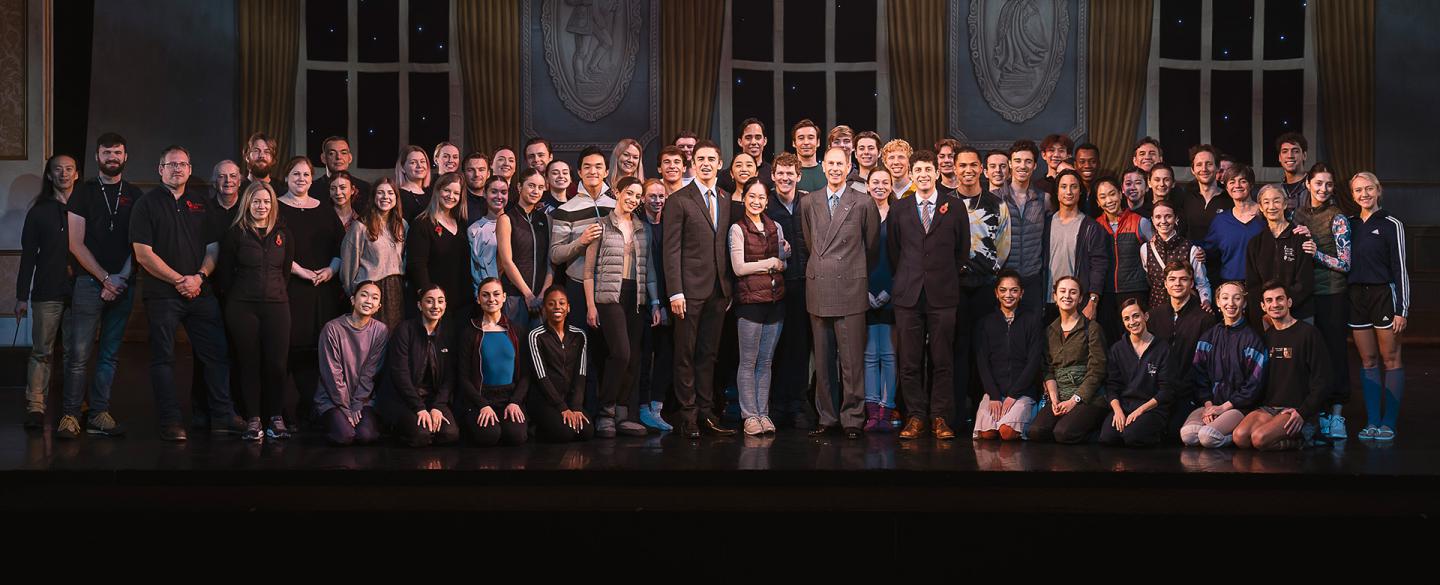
x,y
697,274
842,230
929,246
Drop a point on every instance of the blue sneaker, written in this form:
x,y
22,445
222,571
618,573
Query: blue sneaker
x,y
650,417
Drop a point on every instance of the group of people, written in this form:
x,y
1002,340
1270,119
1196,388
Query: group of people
x,y
507,296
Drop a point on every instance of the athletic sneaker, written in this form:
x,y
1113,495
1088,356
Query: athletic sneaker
x,y
253,430
1385,434
277,429
68,428
101,423
1367,433
768,425
1336,428
753,426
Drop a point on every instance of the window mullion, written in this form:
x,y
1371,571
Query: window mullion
x,y
352,78
777,80
404,76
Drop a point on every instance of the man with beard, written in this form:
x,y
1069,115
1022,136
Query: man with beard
x,y
805,139
1199,202
98,218
476,168
335,154
259,159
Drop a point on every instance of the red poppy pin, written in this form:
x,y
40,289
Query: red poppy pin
x,y
945,208
279,241
437,230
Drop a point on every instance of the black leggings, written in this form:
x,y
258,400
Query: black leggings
x,y
620,324
657,362
502,432
402,424
260,333
1332,318
1147,430
551,427
1075,427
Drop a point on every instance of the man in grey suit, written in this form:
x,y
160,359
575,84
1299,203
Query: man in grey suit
x,y
842,232
697,274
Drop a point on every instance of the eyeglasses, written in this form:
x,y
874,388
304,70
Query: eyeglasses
x,y
175,166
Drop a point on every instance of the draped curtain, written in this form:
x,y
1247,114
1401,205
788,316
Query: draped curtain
x,y
269,32
489,53
691,35
917,69
1345,54
1119,65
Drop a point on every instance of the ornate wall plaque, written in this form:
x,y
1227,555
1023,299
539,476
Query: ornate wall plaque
x,y
590,48
13,86
1018,49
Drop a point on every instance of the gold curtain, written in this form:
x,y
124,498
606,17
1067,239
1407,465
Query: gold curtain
x,y
691,35
1345,54
490,71
917,69
1119,66
269,56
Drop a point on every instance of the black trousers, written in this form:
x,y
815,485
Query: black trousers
x,y
913,327
200,391
339,432
657,362
595,349
1037,292
1332,317
1075,427
402,424
1147,430
790,387
697,339
620,324
502,432
260,336
550,427
976,302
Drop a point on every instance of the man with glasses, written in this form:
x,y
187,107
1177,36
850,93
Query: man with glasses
x,y
174,239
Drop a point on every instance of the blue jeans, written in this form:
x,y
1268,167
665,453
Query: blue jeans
x,y
201,317
87,313
757,351
47,318
880,366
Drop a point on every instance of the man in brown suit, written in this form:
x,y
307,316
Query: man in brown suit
x,y
929,246
842,233
697,267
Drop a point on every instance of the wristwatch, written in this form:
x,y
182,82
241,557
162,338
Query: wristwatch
x,y
1077,399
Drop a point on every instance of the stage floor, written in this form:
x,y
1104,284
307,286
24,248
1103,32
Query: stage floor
x,y
789,471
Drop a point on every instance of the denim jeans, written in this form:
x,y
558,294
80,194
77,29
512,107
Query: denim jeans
x,y
47,318
880,366
201,317
87,313
757,352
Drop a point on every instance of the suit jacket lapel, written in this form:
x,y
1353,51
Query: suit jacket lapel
x,y
842,209
699,198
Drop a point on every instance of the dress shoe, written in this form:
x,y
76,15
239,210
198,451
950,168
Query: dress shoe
x,y
711,426
942,431
233,425
914,428
822,430
34,420
853,433
688,430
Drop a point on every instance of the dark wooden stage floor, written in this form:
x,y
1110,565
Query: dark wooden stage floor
x,y
790,472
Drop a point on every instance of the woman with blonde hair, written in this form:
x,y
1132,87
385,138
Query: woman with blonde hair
x,y
412,181
1379,305
625,162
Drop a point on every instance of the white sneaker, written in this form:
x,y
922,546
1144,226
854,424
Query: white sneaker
x,y
1336,428
754,427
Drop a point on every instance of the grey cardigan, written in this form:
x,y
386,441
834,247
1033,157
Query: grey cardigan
x,y
610,262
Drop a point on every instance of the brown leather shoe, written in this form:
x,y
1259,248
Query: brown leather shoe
x,y
942,431
914,428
